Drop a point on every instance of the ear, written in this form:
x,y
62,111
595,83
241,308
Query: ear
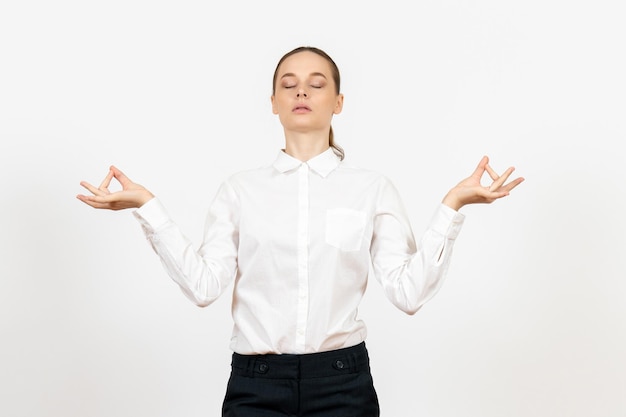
x,y
274,107
338,104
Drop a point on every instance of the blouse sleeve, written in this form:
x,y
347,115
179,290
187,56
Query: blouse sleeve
x,y
202,274
410,273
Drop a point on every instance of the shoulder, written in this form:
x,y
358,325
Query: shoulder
x,y
248,173
364,174
247,177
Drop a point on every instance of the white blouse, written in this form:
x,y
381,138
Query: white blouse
x,y
298,239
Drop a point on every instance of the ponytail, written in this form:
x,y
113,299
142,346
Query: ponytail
x,y
338,150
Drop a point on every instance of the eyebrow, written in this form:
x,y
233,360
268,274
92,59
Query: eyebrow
x,y
313,74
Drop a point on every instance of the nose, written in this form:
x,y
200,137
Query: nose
x,y
301,93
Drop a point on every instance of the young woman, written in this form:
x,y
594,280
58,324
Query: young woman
x,y
297,238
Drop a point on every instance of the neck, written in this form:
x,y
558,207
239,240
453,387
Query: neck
x,y
304,146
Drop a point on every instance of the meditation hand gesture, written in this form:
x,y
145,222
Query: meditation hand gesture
x,y
471,191
130,196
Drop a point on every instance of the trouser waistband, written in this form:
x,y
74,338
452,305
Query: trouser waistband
x,y
309,365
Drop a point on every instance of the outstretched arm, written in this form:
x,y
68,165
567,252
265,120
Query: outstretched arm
x,y
471,191
131,195
201,274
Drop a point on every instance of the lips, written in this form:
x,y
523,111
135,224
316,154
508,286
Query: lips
x,y
301,108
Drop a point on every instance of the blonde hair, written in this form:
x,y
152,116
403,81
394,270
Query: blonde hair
x,y
336,77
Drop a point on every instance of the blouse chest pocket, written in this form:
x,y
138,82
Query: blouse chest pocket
x,y
345,228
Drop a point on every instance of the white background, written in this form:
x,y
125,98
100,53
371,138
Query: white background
x,y
532,318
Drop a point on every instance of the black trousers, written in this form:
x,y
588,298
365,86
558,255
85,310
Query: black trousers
x,y
326,384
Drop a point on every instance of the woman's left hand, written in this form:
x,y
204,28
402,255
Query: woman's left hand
x,y
471,191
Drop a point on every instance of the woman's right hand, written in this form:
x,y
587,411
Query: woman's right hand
x,y
130,196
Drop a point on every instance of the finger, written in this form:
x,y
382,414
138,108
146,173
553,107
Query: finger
x,y
502,179
92,201
104,185
508,187
120,176
480,168
494,176
91,188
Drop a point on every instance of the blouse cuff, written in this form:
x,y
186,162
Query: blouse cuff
x,y
447,221
152,214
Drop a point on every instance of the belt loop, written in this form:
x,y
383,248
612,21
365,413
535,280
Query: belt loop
x,y
354,363
250,366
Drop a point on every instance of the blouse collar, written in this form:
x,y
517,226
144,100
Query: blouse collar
x,y
323,164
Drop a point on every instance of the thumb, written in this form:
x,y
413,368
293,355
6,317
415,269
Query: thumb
x,y
120,176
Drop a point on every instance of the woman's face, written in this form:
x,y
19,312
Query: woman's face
x,y
305,97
